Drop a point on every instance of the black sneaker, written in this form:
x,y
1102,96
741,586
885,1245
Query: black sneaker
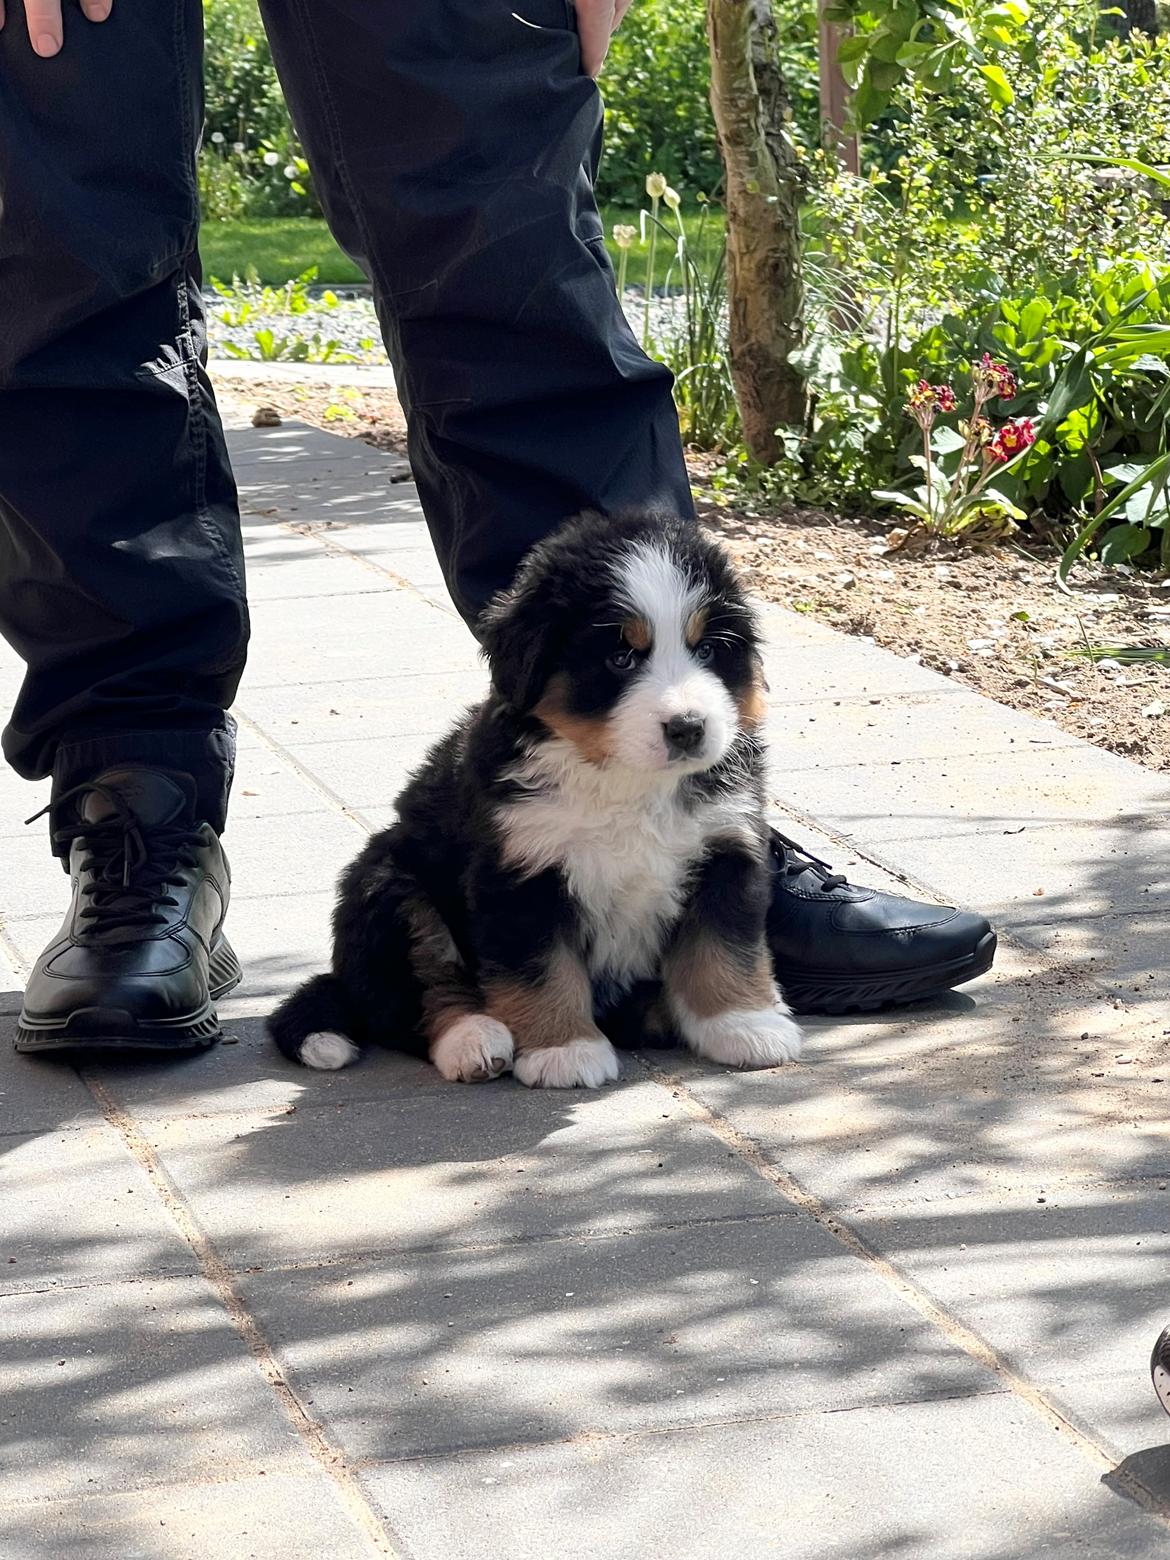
x,y
841,948
1160,1369
141,957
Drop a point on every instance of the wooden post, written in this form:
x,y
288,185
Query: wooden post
x,y
835,94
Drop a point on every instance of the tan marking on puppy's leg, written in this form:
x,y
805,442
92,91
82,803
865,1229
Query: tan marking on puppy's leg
x,y
464,1044
636,633
696,625
726,1002
590,737
710,976
558,1045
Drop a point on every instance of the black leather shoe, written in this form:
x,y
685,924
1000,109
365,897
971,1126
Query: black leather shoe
x,y
1160,1369
141,957
841,948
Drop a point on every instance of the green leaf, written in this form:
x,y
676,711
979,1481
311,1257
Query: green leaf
x,y
947,440
999,87
902,501
1124,542
1073,387
1156,471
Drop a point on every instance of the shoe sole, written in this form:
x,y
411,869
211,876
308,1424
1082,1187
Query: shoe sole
x,y
1160,1369
100,1029
808,992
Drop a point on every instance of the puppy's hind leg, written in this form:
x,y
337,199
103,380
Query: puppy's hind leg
x,y
465,1044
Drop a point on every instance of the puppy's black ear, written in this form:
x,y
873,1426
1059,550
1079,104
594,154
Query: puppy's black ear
x,y
517,635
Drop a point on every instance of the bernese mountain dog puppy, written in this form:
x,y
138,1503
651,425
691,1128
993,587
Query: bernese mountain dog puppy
x,y
584,857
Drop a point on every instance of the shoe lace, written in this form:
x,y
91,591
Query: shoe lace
x,y
792,860
127,865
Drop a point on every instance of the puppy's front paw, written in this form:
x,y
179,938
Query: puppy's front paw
x,y
474,1049
764,1038
579,1064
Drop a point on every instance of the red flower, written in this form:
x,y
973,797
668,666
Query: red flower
x,y
925,401
993,379
1012,438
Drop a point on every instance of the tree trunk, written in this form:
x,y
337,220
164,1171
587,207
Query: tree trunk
x,y
763,186
1140,14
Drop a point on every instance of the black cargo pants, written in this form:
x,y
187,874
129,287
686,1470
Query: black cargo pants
x,y
453,143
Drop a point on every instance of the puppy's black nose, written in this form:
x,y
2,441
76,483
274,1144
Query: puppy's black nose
x,y
684,734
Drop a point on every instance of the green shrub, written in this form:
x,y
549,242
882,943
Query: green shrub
x,y
983,226
252,163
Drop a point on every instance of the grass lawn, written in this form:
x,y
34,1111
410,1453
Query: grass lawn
x,y
282,247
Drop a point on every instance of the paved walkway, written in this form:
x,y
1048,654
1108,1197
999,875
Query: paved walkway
x,y
894,1302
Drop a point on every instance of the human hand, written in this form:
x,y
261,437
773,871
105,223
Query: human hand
x,y
44,22
597,21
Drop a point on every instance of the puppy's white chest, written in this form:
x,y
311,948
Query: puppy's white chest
x,y
630,890
625,860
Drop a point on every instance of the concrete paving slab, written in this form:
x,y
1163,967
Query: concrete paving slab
x,y
1070,1284
369,708
349,1171
364,635
120,1385
297,1517
101,1220
37,1098
246,1075
434,1352
822,733
296,853
1125,953
367,774
977,1478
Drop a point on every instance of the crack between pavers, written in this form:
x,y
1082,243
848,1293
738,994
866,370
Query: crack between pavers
x,y
956,1332
278,750
218,1275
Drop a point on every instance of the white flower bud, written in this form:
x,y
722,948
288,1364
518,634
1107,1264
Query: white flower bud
x,y
671,198
656,185
271,159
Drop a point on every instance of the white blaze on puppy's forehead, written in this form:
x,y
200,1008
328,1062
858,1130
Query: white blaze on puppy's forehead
x,y
657,587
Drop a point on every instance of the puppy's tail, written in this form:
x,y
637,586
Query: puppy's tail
x,y
311,1026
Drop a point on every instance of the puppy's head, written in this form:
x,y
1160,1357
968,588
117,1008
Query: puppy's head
x,y
631,638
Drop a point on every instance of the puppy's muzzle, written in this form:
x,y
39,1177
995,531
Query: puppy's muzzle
x,y
684,735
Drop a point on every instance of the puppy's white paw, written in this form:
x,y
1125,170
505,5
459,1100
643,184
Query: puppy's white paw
x,y
474,1049
327,1051
764,1038
581,1064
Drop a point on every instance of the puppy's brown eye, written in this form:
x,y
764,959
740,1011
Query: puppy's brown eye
x,y
704,652
623,660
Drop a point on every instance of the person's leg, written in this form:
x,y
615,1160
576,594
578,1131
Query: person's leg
x,y
121,572
121,576
453,145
